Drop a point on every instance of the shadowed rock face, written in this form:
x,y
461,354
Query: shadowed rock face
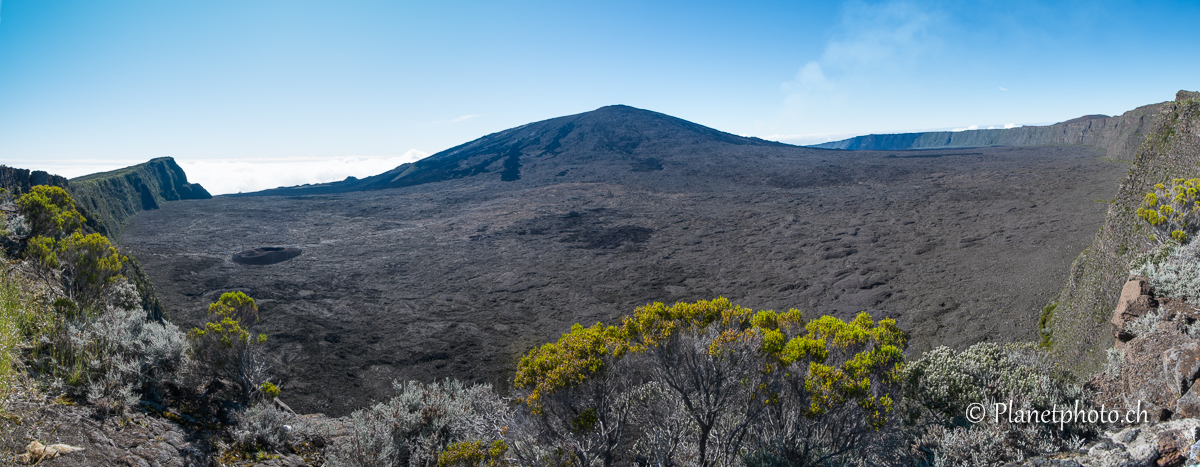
x,y
265,255
458,277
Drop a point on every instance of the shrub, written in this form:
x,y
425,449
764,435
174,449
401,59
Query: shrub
x,y
944,382
1173,210
226,349
263,426
473,454
83,264
114,356
721,377
1145,324
50,212
16,226
417,426
1175,275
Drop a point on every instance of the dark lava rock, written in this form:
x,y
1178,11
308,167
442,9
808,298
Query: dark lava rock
x,y
266,255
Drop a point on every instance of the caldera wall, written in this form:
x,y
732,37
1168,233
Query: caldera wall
x,y
1079,326
111,198
1120,136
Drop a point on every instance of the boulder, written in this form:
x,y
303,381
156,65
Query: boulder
x,y
1182,364
1136,300
1172,448
1148,374
1188,406
266,255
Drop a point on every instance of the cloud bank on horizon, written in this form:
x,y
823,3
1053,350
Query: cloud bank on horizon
x,y
226,176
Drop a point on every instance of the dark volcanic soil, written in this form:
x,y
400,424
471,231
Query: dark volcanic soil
x,y
459,278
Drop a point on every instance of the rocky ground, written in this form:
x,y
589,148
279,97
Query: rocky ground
x,y
459,278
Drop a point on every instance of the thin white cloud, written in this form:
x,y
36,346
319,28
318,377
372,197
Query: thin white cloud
x,y
810,139
874,35
1003,88
462,118
972,127
872,41
1011,125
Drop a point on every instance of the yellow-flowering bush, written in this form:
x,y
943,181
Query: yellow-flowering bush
x,y
719,369
50,212
474,454
1173,209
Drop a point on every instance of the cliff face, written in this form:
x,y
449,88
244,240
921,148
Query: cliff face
x,y
1078,328
18,181
109,199
1120,135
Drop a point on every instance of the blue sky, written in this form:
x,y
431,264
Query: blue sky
x,y
316,91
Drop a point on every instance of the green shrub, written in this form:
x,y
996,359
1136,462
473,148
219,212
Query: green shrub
x,y
225,348
721,379
1174,211
474,454
50,212
83,264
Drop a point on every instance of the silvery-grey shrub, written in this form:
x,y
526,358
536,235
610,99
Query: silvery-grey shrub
x,y
1177,275
115,356
415,426
945,382
264,425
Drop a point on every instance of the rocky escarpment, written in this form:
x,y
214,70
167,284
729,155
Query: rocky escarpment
x,y
1120,136
1077,327
18,181
1155,361
108,199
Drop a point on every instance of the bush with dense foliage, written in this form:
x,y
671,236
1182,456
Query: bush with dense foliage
x,y
50,212
425,424
263,426
943,383
225,348
708,382
1173,210
1175,272
83,264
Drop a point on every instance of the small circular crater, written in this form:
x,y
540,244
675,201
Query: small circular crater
x,y
266,255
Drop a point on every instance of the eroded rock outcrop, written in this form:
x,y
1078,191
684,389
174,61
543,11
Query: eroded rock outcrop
x,y
18,181
1155,360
